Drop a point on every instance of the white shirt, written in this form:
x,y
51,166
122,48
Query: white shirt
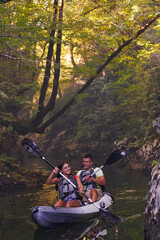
x,y
98,174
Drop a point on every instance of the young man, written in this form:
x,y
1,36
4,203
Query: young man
x,y
91,184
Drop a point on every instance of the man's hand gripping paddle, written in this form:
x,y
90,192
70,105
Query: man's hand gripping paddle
x,y
32,147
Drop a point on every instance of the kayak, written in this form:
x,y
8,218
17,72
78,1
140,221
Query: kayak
x,y
50,217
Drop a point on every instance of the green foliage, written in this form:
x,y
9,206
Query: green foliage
x,y
13,174
81,96
155,163
3,95
7,159
124,102
129,91
7,117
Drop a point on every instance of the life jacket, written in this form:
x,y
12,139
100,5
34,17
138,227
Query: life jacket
x,y
90,184
65,189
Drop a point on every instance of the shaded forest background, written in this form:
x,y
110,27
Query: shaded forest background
x,y
80,77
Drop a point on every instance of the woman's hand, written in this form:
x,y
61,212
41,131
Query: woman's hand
x,y
50,179
56,170
81,190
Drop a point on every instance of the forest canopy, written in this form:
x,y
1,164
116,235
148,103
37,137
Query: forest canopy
x,y
51,52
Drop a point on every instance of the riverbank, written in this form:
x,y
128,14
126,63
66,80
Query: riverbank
x,y
14,177
141,158
127,187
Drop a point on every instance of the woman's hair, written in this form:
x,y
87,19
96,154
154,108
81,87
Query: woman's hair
x,y
60,166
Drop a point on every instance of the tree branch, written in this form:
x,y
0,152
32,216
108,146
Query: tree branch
x,y
51,104
9,9
40,113
5,1
72,58
42,128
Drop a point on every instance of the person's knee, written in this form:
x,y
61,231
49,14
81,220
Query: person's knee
x,y
68,204
93,191
60,203
94,195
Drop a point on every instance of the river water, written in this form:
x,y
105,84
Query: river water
x,y
128,188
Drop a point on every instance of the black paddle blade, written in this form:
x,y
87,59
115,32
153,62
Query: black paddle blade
x,y
115,156
30,146
107,215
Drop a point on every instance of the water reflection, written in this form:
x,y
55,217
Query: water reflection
x,y
128,188
94,229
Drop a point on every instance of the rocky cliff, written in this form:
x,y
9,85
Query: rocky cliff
x,y
152,210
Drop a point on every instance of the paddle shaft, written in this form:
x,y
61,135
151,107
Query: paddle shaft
x,y
29,144
97,170
36,150
59,172
102,211
119,156
70,182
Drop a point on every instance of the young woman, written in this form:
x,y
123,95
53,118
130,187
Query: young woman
x,y
68,195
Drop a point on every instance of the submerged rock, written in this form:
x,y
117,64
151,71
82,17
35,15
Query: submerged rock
x,y
152,210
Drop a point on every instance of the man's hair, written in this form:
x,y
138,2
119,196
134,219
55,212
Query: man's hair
x,y
87,155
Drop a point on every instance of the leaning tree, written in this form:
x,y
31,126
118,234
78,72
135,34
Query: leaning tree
x,y
36,40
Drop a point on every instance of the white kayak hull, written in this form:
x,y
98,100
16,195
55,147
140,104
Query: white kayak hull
x,y
50,217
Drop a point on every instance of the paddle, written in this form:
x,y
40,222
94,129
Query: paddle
x,y
30,146
114,157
